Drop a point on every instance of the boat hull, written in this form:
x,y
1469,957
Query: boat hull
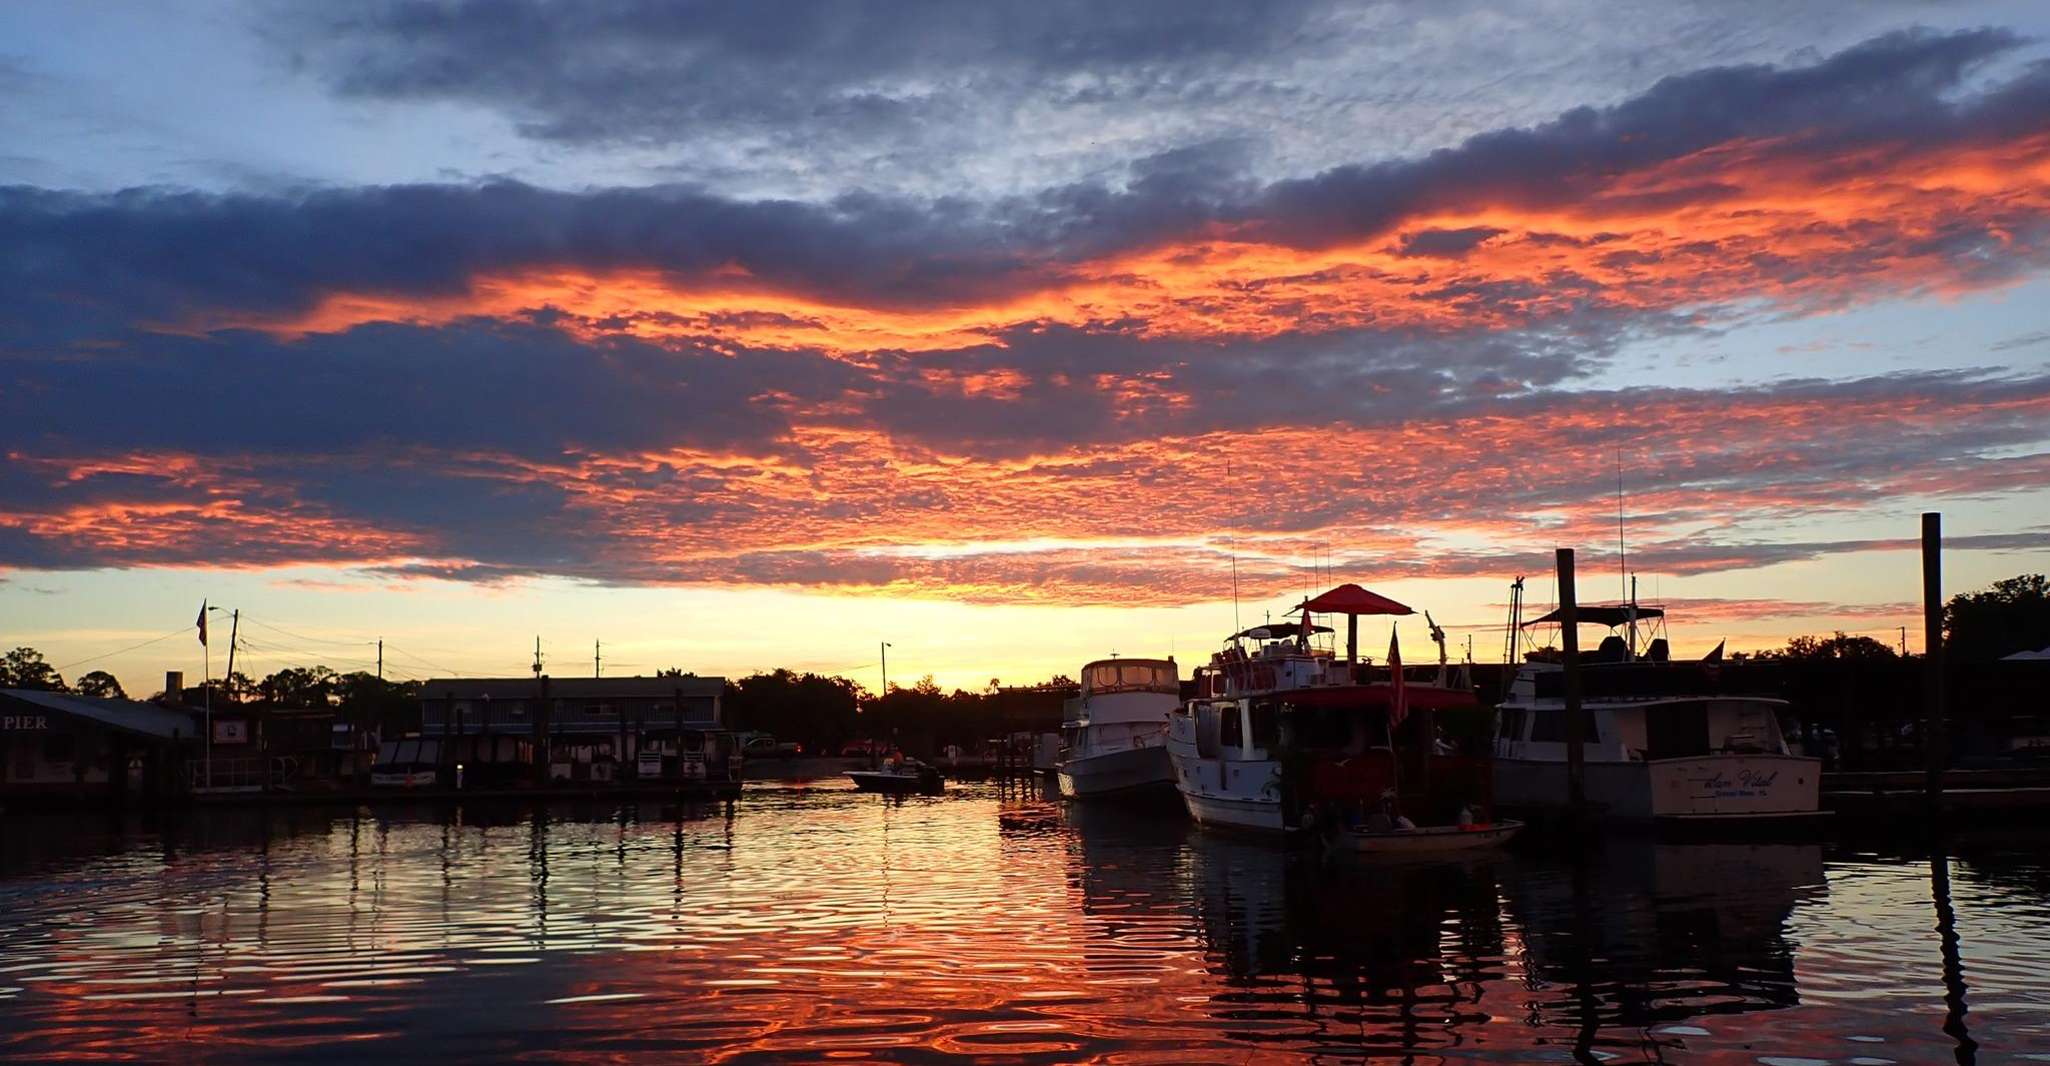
x,y
1226,793
1115,773
893,784
1732,788
1225,812
1429,841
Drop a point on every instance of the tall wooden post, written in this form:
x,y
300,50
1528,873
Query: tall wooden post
x,y
542,723
1935,739
1576,728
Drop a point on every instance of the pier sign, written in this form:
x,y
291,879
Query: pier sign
x,y
21,723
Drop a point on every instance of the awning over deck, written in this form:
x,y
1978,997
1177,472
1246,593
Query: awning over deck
x,y
1599,615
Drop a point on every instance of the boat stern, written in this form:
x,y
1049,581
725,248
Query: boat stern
x,y
1735,787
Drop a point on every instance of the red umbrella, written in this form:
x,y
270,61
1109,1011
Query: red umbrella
x,y
1352,601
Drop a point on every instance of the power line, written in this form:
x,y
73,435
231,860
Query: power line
x,y
180,631
389,646
305,639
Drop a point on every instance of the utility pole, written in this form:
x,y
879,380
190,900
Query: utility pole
x,y
206,694
537,658
1576,729
234,626
597,660
886,669
380,658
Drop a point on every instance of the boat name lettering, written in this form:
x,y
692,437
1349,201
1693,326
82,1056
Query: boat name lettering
x,y
25,721
1746,779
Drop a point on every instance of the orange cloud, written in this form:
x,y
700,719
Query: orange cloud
x,y
1779,220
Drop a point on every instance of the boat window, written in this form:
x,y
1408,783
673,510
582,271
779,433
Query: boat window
x,y
1131,675
1550,728
1230,730
1206,729
1512,723
1266,726
1322,728
1674,730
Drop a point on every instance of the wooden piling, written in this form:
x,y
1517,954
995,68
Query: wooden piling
x,y
1576,731
1935,732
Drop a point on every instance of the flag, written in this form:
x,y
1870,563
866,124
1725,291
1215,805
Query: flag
x,y
1398,705
202,622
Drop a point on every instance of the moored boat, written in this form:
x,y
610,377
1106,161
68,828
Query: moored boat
x,y
1283,735
1114,736
1664,742
900,778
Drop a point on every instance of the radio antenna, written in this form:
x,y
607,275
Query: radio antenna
x,y
1622,557
1233,540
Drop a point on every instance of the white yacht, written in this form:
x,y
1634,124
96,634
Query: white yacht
x,y
1114,735
1665,742
1281,732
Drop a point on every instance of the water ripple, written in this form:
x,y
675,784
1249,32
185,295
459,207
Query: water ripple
x,y
811,924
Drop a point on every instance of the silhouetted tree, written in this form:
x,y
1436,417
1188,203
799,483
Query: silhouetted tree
x,y
235,688
814,710
1839,646
2013,615
102,685
299,686
24,668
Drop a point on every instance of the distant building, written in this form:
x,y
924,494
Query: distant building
x,y
588,728
57,745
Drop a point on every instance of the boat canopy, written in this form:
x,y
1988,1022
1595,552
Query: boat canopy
x,y
1277,631
1611,616
1352,599
1131,675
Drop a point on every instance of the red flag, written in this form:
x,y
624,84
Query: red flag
x,y
202,621
1398,705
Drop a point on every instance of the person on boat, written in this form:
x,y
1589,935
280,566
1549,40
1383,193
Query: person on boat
x,y
1385,820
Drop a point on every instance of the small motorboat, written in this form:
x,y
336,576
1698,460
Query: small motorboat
x,y
1431,840
900,779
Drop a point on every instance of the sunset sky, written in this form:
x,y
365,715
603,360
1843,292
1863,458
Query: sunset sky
x,y
738,336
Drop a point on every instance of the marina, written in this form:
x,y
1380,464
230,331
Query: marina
x,y
1115,534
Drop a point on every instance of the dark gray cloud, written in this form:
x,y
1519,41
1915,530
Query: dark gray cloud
x,y
817,97
483,386
68,261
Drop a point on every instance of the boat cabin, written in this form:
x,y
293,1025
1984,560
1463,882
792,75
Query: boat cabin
x,y
1623,729
1124,703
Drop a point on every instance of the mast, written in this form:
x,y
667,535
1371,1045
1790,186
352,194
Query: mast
x,y
1515,625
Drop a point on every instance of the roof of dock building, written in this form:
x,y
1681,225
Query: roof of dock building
x,y
128,716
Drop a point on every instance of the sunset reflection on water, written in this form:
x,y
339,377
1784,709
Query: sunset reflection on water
x,y
814,924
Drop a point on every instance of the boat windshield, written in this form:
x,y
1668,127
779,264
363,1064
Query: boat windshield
x,y
1131,675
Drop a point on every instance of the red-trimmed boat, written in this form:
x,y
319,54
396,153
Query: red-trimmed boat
x,y
1283,735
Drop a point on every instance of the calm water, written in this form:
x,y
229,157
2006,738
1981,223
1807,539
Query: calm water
x,y
819,925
